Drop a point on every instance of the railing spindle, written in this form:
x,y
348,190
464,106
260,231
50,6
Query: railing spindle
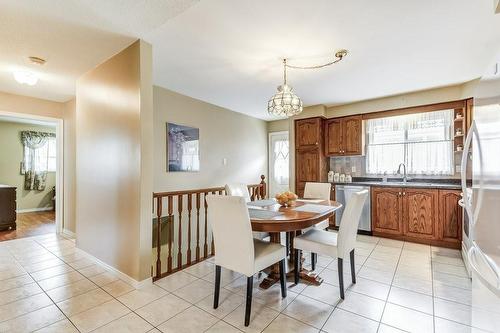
x,y
213,243
198,227
170,231
158,241
205,245
179,253
189,228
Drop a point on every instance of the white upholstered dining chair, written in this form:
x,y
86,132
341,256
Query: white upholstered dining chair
x,y
236,249
317,191
241,190
331,244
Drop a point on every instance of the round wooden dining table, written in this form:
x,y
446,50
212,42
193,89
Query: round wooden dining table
x,y
275,219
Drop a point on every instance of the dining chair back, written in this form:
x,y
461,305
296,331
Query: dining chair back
x,y
317,191
340,245
238,190
346,239
241,190
230,221
237,249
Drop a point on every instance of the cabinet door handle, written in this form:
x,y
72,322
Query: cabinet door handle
x,y
399,194
316,143
404,193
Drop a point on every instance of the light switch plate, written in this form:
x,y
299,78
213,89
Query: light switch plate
x,y
353,169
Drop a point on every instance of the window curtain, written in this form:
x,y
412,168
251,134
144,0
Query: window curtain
x,y
423,141
35,159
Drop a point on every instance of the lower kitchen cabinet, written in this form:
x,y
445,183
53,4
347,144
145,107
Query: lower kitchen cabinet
x,y
386,211
450,216
420,215
420,218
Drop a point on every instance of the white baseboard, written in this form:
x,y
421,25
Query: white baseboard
x,y
133,282
31,210
68,233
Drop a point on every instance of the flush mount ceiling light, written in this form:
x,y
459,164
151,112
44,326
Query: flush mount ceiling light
x,y
285,103
26,77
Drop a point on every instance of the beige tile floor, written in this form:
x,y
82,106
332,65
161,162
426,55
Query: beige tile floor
x,y
47,285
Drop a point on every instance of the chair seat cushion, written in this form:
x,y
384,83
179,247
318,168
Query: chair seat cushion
x,y
321,225
260,235
267,254
317,241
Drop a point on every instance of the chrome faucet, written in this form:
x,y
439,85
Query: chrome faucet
x,y
405,178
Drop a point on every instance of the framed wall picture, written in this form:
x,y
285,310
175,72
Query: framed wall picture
x,y
183,148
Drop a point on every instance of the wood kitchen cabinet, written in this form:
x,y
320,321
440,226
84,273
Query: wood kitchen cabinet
x,y
386,211
310,159
420,218
450,217
420,215
308,133
344,136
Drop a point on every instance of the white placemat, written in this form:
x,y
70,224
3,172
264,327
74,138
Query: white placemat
x,y
262,203
311,200
311,208
262,214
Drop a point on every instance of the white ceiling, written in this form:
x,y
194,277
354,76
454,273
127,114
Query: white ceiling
x,y
73,36
227,52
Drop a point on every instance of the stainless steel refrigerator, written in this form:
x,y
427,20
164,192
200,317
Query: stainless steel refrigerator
x,y
481,201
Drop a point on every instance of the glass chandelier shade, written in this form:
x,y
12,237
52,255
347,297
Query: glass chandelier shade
x,y
284,103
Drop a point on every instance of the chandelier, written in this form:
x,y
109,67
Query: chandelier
x,y
285,103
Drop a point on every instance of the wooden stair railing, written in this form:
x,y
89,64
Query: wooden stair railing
x,y
176,199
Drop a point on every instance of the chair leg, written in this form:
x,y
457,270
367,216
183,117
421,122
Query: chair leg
x,y
353,267
314,258
248,307
341,276
283,278
287,243
296,263
217,286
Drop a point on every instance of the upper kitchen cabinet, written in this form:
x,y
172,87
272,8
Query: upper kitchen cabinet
x,y
308,132
311,165
344,136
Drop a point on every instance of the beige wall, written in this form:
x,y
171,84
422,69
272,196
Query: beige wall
x,y
11,155
242,140
30,105
69,166
431,96
113,166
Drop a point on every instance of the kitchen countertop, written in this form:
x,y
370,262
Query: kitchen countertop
x,y
448,184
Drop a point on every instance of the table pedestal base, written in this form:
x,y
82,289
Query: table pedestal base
x,y
304,275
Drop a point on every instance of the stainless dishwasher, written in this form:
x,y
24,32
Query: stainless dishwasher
x,y
343,193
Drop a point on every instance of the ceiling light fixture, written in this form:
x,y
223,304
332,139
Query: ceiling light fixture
x,y
26,77
285,103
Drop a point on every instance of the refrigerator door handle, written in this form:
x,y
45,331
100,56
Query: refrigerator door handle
x,y
466,200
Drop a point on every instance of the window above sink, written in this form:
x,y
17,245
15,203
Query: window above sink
x,y
423,141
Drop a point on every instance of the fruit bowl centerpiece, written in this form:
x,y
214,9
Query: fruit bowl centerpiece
x,y
286,199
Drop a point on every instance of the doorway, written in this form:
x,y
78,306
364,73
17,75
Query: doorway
x,y
279,162
30,175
